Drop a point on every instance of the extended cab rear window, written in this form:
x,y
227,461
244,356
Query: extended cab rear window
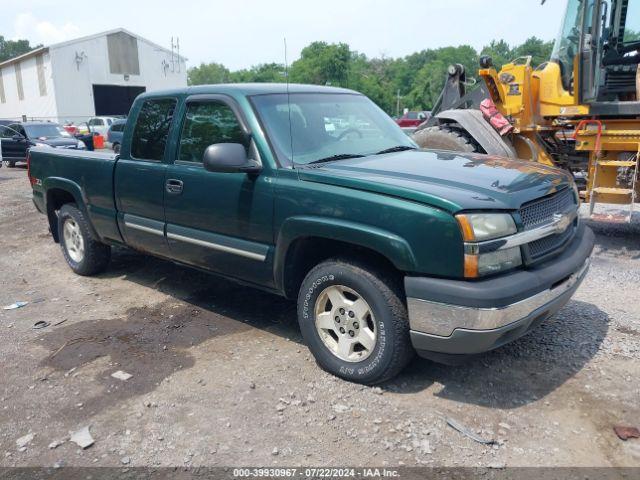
x,y
152,129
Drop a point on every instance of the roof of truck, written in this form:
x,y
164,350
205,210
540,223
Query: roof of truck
x,y
249,89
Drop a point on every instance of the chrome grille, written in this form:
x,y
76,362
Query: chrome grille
x,y
548,244
541,211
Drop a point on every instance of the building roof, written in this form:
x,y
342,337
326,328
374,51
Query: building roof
x,y
24,56
44,49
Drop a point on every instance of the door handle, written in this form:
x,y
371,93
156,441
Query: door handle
x,y
174,186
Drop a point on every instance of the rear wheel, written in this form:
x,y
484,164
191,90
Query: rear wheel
x,y
84,255
354,321
444,137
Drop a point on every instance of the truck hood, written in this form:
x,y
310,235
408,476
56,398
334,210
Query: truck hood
x,y
447,180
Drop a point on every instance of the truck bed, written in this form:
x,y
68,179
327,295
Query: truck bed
x,y
90,177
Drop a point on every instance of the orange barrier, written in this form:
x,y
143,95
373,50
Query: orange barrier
x,y
98,142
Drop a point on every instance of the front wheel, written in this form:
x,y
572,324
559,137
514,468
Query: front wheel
x,y
444,137
116,148
85,255
354,321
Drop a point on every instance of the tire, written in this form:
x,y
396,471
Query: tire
x,y
444,137
84,255
387,321
116,148
9,163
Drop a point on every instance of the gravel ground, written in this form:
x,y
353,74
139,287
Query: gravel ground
x,y
220,376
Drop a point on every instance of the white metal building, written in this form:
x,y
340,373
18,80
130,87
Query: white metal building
x,y
96,75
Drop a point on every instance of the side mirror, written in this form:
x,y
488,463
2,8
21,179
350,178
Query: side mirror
x,y
17,138
229,158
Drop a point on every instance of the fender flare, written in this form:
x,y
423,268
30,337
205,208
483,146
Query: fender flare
x,y
387,244
480,130
76,192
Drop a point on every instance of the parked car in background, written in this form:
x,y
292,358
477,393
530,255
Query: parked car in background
x,y
3,125
115,133
101,124
412,119
19,137
71,128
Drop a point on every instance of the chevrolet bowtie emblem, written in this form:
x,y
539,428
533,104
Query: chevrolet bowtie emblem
x,y
561,221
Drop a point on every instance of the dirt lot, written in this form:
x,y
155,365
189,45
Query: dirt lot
x,y
220,376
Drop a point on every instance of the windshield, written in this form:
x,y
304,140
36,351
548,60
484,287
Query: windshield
x,y
632,22
568,41
46,131
326,125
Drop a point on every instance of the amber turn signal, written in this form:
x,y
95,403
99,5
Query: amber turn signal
x,y
470,266
467,229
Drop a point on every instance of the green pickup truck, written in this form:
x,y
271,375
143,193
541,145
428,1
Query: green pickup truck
x,y
314,193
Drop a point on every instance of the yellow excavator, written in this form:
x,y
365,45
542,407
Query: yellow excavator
x,y
579,111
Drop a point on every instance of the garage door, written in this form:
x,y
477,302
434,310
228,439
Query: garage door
x,y
113,99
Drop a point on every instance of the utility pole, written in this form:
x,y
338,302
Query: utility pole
x,y
173,62
178,51
398,104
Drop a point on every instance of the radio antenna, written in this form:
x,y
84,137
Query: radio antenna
x,y
286,76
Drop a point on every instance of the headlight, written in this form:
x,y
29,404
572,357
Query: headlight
x,y
478,227
40,144
498,261
81,145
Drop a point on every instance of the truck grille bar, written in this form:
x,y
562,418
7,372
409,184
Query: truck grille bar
x,y
544,211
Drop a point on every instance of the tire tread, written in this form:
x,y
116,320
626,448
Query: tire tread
x,y
97,255
390,288
447,134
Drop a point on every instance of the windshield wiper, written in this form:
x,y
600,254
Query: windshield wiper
x,y
399,148
340,156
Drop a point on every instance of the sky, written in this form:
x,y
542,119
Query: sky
x,y
241,33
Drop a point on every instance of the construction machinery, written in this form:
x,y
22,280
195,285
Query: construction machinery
x,y
579,111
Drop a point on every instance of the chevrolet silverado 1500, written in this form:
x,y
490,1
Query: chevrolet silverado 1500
x,y
315,194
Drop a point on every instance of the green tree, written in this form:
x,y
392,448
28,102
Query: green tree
x,y
428,81
631,36
208,73
538,49
322,64
500,53
265,72
418,77
14,48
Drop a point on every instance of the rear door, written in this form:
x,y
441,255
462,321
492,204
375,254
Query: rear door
x,y
140,174
218,221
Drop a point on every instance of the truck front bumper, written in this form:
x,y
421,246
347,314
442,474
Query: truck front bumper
x,y
451,319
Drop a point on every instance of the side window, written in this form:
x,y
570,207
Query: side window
x,y
6,131
632,24
152,129
207,123
17,128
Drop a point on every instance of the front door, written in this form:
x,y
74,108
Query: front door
x,y
218,221
139,178
14,149
591,49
